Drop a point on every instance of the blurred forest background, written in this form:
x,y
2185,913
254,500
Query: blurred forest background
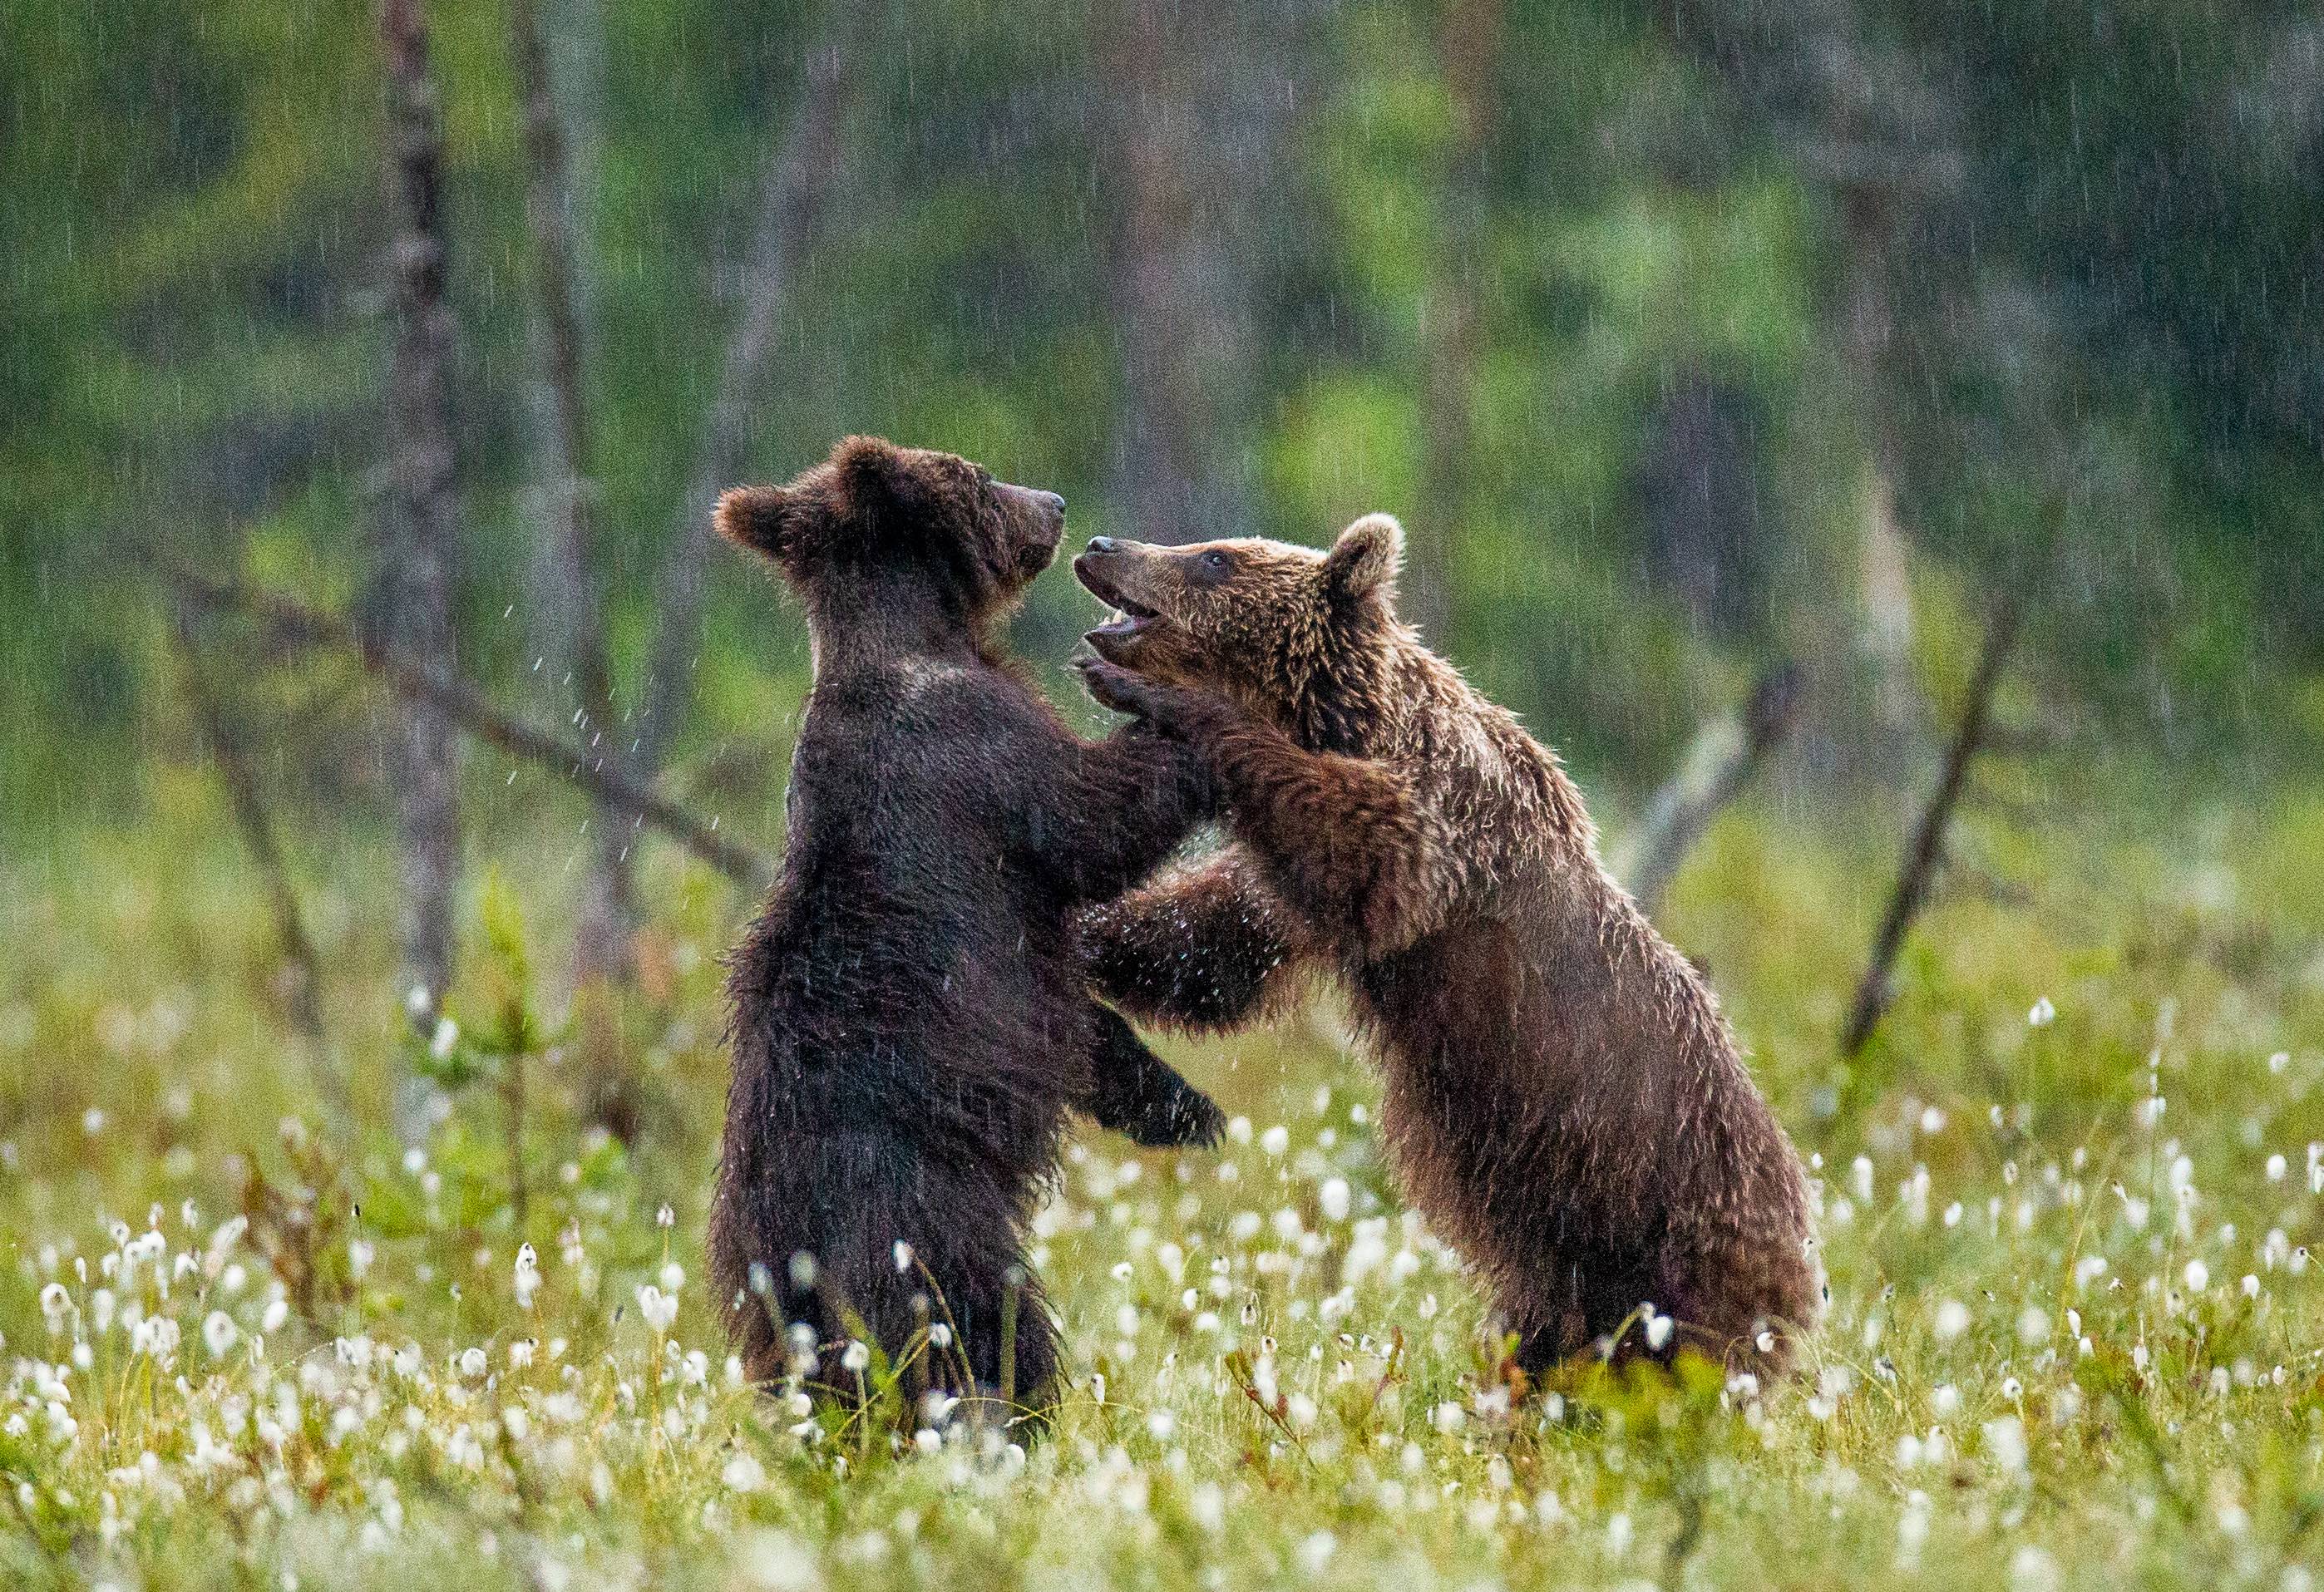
x,y
1687,339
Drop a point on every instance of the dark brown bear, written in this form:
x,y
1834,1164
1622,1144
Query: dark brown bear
x,y
1562,1097
908,1021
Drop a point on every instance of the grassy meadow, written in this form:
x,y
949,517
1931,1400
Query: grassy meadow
x,y
2067,1202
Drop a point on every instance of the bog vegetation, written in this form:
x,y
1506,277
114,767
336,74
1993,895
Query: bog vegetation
x,y
2068,1200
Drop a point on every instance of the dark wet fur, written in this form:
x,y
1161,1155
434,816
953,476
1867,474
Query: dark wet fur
x,y
909,1025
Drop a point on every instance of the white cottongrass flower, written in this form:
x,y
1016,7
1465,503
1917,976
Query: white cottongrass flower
x,y
1275,1140
2197,1276
56,1303
277,1311
1658,1331
440,1043
856,1356
1333,1199
903,1256
2043,1014
1951,1321
528,1276
2005,1442
472,1362
219,1333
1315,1553
156,1336
779,1563
659,1309
743,1473
2032,1569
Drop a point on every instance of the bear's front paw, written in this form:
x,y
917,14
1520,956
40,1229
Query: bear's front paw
x,y
1111,687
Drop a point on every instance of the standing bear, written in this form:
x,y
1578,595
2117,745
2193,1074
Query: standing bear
x,y
1563,1099
909,1023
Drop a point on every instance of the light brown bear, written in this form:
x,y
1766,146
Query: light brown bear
x,y
1562,1097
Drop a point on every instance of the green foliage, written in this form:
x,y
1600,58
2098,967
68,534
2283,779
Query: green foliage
x,y
1280,1373
191,354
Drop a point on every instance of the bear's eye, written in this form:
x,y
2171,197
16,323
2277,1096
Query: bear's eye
x,y
1216,562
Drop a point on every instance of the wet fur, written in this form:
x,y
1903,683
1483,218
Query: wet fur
x,y
1562,1097
908,1023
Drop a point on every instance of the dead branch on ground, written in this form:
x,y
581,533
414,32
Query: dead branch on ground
x,y
1711,775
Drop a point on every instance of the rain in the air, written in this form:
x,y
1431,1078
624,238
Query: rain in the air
x,y
1341,792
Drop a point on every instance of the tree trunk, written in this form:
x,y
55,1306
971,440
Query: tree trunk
x,y
1882,636
799,176
411,605
1202,94
1468,44
574,587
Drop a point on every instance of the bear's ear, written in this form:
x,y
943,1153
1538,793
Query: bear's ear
x,y
875,474
764,519
1363,562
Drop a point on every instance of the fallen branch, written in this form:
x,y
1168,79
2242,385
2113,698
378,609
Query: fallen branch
x,y
1929,838
1717,769
593,772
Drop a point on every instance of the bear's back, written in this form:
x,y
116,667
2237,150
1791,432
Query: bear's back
x,y
900,950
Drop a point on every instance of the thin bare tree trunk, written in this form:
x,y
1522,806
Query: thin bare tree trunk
x,y
1882,636
602,940
1201,92
1469,42
412,600
591,769
574,586
1921,857
1163,446
257,827
797,181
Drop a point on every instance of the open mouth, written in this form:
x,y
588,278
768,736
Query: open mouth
x,y
1128,616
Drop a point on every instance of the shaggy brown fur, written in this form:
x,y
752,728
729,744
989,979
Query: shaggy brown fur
x,y
910,1023
1564,1098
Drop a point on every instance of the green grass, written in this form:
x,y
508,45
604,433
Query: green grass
x,y
1279,1376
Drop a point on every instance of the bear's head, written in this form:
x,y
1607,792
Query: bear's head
x,y
878,524
1264,623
